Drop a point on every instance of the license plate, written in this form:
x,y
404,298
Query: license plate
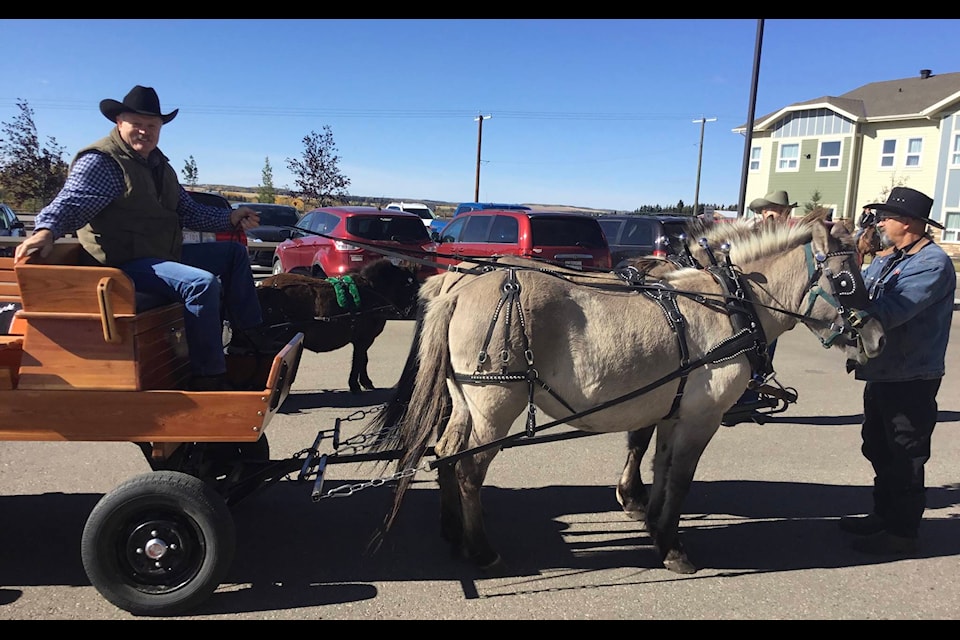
x,y
191,236
355,258
574,264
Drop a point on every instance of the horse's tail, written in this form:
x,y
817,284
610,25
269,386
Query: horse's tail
x,y
420,407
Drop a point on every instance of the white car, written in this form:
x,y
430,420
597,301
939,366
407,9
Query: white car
x,y
426,213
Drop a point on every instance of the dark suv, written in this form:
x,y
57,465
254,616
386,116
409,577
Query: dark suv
x,y
638,236
10,225
276,225
568,239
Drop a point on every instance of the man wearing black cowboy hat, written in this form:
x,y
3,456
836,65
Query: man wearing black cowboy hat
x,y
124,201
912,291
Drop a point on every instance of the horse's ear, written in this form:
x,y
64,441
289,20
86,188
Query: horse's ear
x,y
819,214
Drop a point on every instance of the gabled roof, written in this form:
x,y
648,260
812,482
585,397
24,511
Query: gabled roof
x,y
914,97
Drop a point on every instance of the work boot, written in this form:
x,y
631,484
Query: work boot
x,y
885,544
255,340
862,525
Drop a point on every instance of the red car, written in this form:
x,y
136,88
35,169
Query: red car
x,y
567,239
397,232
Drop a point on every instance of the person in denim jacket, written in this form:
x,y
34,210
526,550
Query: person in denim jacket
x,y
912,292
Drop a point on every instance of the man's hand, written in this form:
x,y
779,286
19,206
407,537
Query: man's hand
x,y
245,218
40,240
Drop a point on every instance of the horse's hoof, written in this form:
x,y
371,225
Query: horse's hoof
x,y
496,568
634,512
678,563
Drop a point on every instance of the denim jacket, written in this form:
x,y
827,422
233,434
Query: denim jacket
x,y
912,297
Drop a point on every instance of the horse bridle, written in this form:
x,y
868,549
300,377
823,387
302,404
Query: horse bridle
x,y
841,296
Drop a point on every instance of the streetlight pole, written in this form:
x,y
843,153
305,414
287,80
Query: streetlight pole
x,y
480,118
696,194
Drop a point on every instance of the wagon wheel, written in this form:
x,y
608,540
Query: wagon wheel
x,y
159,544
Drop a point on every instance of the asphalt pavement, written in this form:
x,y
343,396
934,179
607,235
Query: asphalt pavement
x,y
760,520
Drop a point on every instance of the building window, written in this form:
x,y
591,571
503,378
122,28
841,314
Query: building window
x,y
951,233
887,152
829,159
914,148
755,157
789,157
955,156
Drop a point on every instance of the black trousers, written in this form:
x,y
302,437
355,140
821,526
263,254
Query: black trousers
x,y
898,421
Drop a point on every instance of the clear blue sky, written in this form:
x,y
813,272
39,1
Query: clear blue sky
x,y
588,112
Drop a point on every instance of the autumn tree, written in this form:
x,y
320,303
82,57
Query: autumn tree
x,y
318,177
266,193
189,172
30,175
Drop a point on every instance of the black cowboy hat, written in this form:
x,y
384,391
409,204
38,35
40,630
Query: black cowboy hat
x,y
904,201
142,100
775,198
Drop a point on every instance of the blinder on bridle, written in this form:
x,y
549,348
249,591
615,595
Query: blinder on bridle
x,y
845,292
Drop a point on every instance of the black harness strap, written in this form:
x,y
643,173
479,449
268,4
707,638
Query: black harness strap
x,y
743,317
661,294
510,299
731,347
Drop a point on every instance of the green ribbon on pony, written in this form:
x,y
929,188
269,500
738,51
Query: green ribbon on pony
x,y
341,286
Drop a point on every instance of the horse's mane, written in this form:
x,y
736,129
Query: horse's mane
x,y
746,240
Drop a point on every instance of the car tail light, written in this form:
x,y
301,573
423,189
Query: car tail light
x,y
340,245
659,253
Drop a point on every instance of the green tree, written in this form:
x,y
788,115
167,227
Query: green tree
x,y
814,202
189,172
30,175
266,193
318,177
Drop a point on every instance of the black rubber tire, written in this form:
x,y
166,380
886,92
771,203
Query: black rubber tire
x,y
178,514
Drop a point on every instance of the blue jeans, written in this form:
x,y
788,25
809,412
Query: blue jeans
x,y
207,271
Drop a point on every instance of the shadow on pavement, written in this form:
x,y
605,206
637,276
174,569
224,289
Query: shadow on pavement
x,y
292,552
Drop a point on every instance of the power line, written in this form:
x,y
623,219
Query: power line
x,y
311,112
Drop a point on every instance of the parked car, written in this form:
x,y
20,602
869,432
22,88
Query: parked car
x,y
10,226
569,239
276,225
323,257
212,199
426,213
476,206
636,236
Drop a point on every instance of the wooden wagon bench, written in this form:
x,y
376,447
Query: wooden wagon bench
x,y
81,362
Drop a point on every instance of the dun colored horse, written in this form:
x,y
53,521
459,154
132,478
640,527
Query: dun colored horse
x,y
491,344
335,312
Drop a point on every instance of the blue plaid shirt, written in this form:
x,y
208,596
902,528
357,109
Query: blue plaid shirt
x,y
94,182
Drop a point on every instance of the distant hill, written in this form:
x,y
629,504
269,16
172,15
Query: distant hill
x,y
441,207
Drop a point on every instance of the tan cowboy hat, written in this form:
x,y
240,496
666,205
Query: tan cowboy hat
x,y
775,199
142,100
904,201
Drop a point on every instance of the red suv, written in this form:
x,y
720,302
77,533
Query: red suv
x,y
326,257
568,239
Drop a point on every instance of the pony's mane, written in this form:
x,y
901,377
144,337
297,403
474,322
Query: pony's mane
x,y
747,241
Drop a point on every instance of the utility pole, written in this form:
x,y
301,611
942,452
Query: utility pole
x,y
696,194
480,118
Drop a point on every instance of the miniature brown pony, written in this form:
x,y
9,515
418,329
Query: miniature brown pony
x,y
335,312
